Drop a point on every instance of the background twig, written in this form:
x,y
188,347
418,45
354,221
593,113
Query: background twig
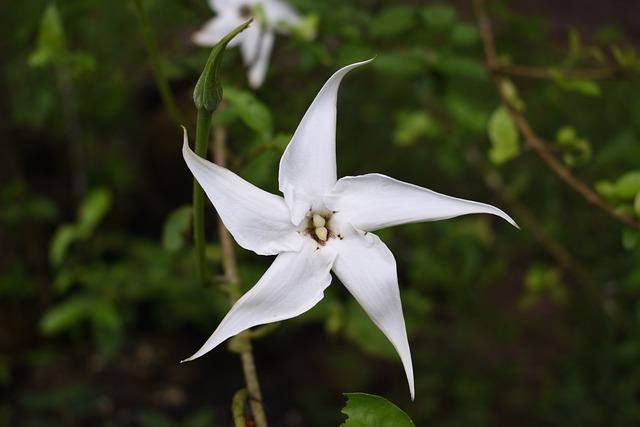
x,y
531,138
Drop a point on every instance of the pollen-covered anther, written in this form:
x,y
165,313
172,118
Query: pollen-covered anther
x,y
318,221
321,232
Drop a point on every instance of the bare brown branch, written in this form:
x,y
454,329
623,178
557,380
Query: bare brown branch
x,y
532,139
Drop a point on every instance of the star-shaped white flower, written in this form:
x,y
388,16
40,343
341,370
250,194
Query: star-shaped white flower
x,y
256,42
322,224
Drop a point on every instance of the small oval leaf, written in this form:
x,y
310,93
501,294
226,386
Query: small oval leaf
x,y
628,185
503,134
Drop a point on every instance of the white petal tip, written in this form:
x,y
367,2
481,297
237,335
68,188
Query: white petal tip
x,y
191,358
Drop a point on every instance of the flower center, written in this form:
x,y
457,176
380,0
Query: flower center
x,y
318,227
246,11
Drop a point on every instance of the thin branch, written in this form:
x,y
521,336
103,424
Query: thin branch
x,y
529,221
203,124
77,160
529,134
154,58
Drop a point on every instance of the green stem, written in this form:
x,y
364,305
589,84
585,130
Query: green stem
x,y
203,124
152,51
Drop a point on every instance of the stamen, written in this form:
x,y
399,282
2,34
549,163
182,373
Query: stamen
x,y
321,233
318,221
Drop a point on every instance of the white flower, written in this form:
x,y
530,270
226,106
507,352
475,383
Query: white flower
x,y
257,40
321,225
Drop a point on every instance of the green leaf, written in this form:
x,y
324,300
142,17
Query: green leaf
x,y
566,135
176,227
50,45
575,47
630,238
542,282
605,188
510,93
367,410
464,34
628,185
64,236
392,21
503,134
438,17
67,315
307,28
456,65
251,111
584,87
636,204
92,210
208,91
412,125
403,64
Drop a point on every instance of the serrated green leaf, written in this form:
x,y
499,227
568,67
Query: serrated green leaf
x,y
367,410
503,134
208,91
250,110
628,185
176,227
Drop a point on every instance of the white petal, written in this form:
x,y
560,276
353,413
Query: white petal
x,y
278,12
259,221
368,270
216,28
308,165
371,202
260,62
293,284
223,5
250,46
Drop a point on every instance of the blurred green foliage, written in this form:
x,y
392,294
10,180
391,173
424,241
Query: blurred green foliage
x,y
98,294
